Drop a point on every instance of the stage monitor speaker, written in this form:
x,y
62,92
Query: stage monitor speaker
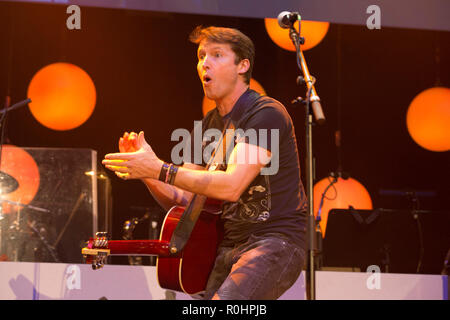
x,y
67,200
397,241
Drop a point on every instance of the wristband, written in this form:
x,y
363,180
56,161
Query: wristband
x,y
163,172
166,178
172,173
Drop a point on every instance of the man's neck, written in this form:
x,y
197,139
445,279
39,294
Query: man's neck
x,y
225,105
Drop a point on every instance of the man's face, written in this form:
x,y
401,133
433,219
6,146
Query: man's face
x,y
217,69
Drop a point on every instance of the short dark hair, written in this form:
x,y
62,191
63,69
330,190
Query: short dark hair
x,y
241,45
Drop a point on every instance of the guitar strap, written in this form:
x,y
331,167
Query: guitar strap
x,y
190,215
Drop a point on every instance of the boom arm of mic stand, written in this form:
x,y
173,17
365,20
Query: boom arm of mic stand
x,y
15,106
314,98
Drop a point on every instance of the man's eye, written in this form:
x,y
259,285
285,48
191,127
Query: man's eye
x,y
218,55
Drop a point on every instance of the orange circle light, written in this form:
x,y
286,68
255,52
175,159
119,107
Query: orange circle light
x,y
312,31
63,96
341,195
20,165
209,104
428,119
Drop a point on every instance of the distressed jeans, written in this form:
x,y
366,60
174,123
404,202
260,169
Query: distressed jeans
x,y
262,268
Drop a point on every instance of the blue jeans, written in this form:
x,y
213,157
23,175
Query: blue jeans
x,y
262,268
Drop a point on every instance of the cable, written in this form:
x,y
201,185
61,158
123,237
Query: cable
x,y
332,182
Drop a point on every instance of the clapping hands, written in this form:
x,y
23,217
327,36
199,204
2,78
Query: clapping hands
x,y
136,159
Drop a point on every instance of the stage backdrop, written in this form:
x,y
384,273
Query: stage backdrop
x,y
144,71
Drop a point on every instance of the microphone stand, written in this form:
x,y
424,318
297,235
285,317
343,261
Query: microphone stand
x,y
3,114
313,108
14,106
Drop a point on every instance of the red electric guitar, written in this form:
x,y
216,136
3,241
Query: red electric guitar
x,y
186,271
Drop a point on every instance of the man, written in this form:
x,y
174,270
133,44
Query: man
x,y
264,215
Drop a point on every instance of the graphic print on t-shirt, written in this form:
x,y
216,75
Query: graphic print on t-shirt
x,y
254,204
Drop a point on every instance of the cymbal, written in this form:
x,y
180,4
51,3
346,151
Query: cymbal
x,y
7,183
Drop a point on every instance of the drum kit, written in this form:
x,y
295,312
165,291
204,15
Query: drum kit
x,y
23,232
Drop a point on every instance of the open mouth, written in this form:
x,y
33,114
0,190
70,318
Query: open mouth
x,y
206,79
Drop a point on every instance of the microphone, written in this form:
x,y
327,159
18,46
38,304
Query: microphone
x,y
287,19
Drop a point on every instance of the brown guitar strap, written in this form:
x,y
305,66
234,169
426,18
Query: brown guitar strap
x,y
187,221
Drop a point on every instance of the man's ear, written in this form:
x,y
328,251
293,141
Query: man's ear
x,y
243,65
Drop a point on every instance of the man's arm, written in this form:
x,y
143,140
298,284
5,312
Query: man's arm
x,y
245,163
168,195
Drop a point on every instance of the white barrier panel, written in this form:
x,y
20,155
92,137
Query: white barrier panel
x,y
380,286
44,281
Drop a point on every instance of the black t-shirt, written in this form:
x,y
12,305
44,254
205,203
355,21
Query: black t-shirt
x,y
275,201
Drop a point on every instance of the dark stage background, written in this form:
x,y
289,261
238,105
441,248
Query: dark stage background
x,y
144,70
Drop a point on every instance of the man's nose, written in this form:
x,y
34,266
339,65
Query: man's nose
x,y
205,63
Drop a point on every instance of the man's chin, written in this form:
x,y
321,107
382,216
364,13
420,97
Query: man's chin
x,y
209,95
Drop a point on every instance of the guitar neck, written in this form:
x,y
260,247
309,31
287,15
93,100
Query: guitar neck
x,y
139,247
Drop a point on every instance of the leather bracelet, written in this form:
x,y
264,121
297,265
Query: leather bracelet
x,y
172,173
163,172
166,178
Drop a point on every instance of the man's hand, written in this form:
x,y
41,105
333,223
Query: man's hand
x,y
128,143
136,159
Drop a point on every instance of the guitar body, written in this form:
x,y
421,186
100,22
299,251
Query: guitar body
x,y
189,271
